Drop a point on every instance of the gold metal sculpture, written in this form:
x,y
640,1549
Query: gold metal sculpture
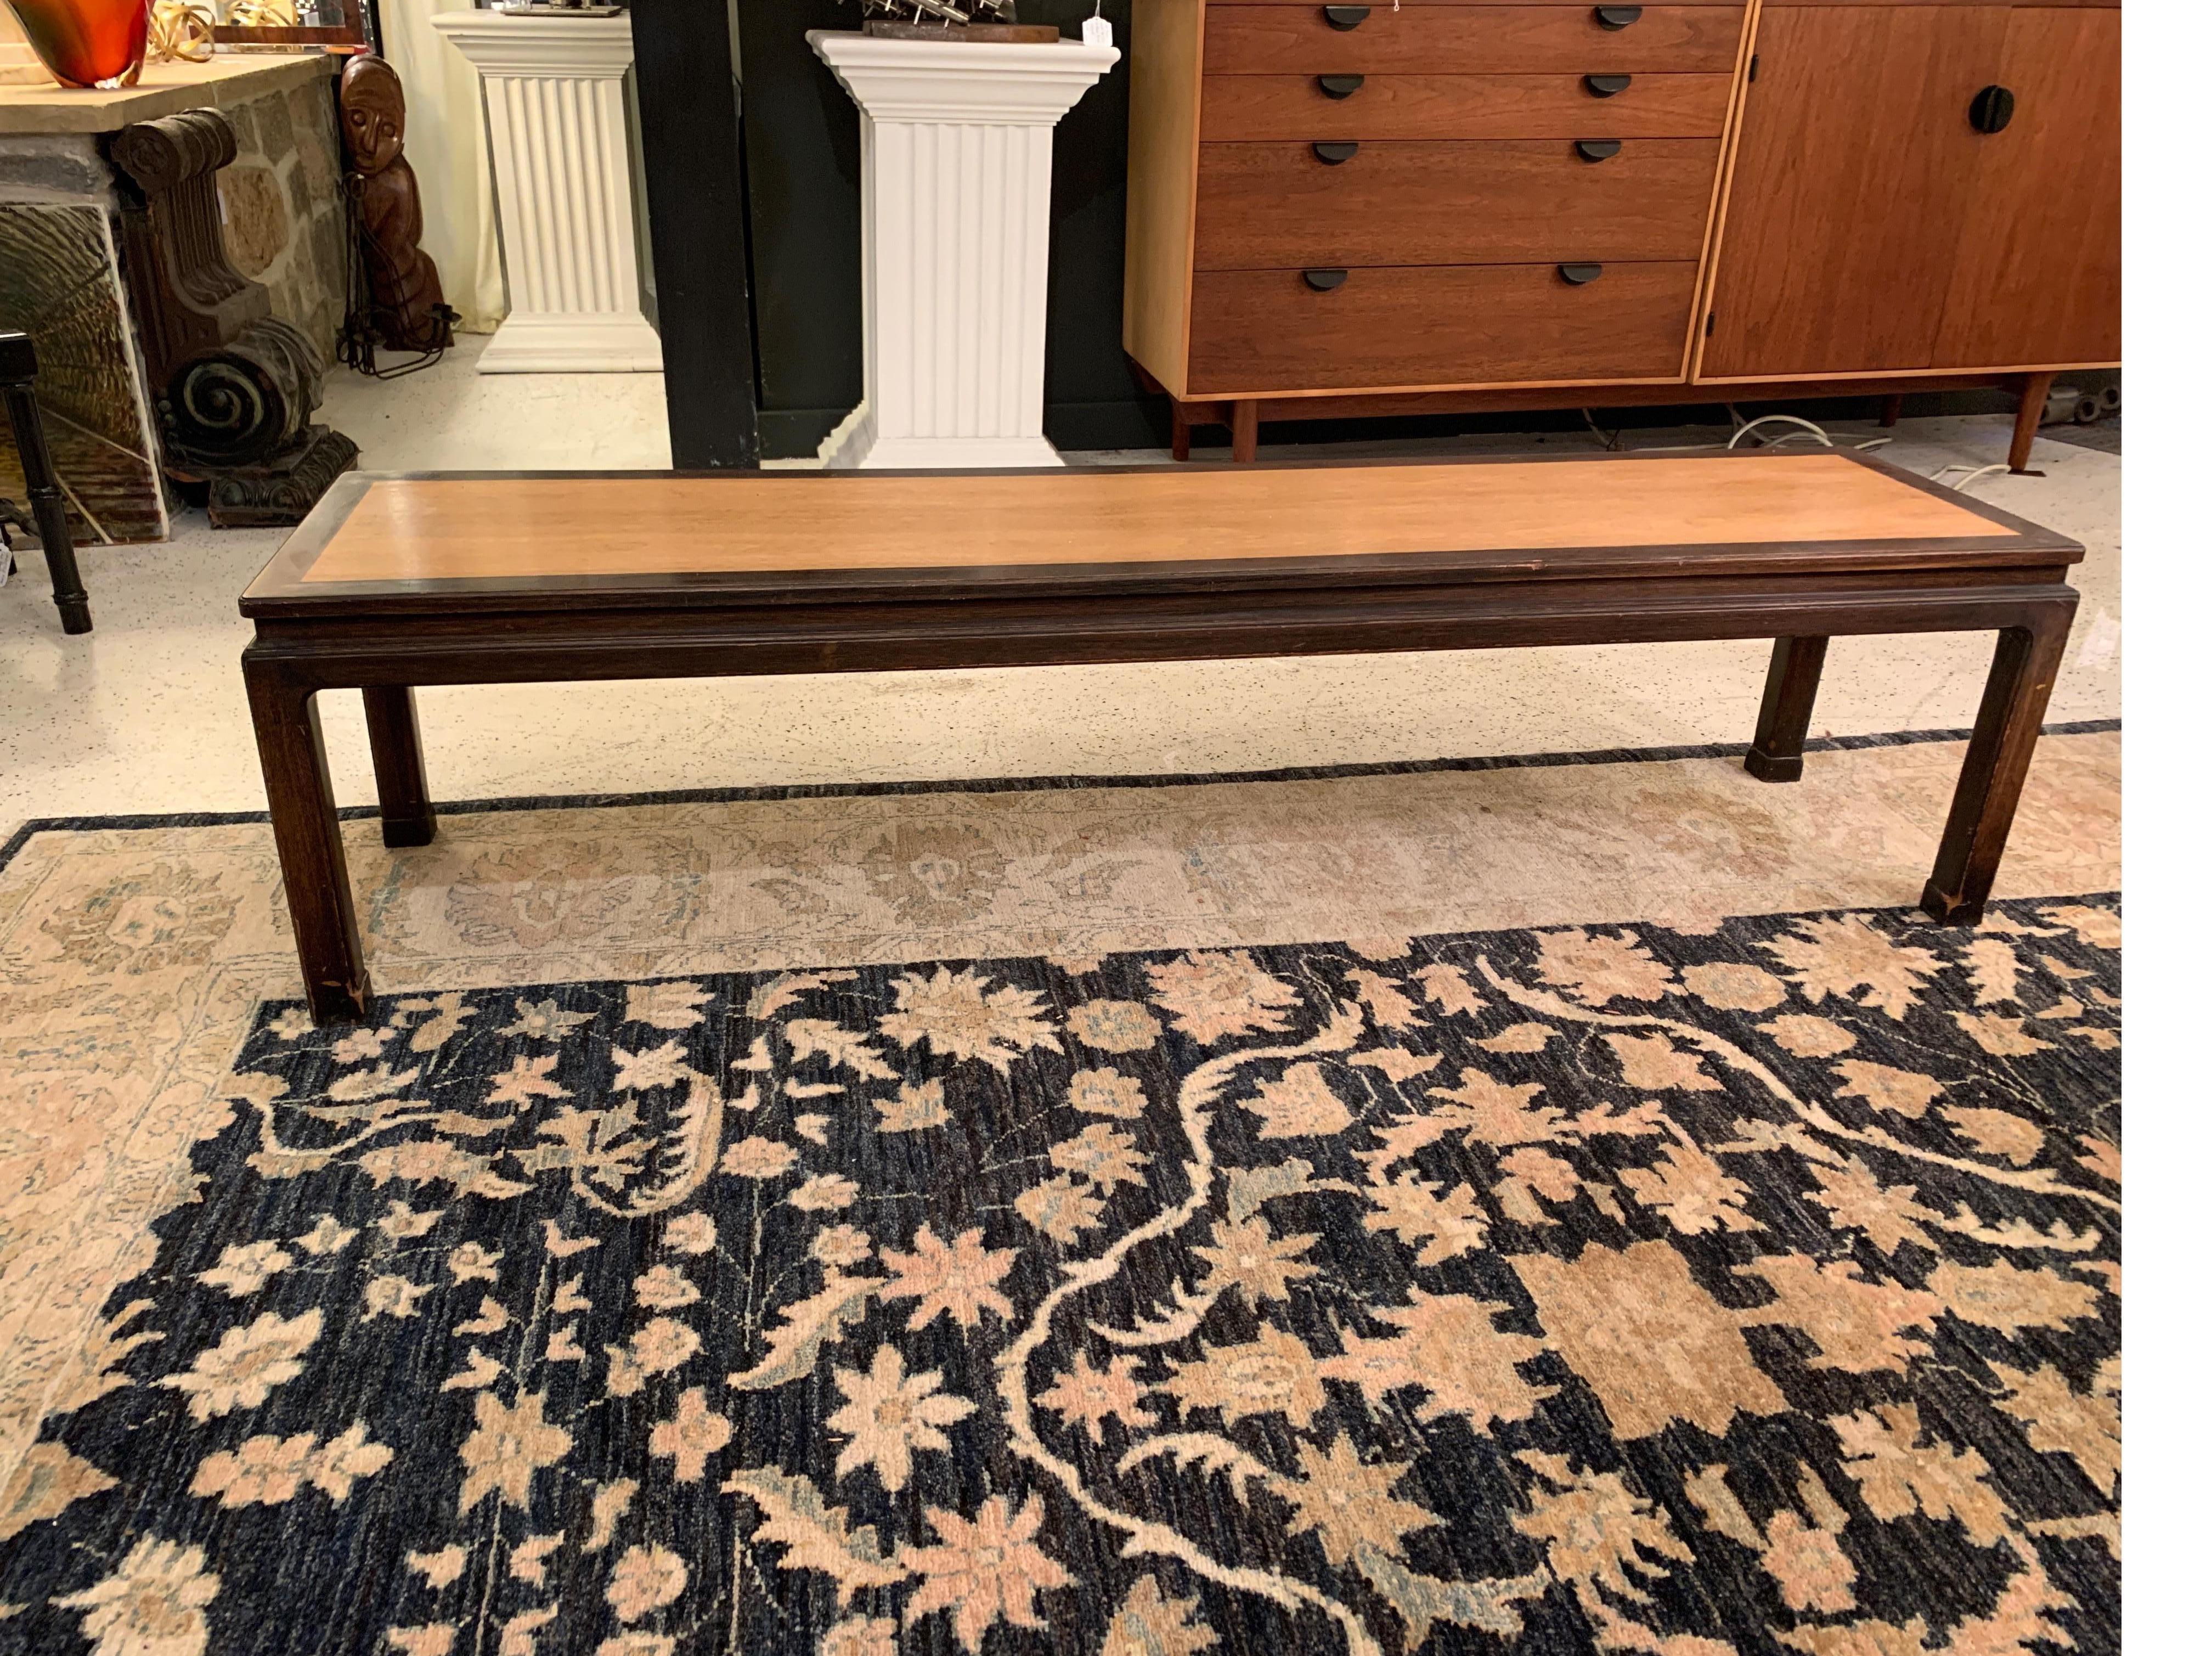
x,y
178,32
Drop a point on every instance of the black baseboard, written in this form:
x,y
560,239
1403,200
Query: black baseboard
x,y
1109,425
792,432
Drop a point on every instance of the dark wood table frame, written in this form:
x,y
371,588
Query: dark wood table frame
x,y
385,641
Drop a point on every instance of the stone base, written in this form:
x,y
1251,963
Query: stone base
x,y
279,494
857,445
571,342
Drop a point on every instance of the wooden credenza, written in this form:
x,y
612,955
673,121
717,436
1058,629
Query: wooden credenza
x,y
1465,204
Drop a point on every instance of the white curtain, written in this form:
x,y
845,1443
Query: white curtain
x,y
447,147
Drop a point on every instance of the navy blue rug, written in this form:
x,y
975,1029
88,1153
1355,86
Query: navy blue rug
x,y
1606,1289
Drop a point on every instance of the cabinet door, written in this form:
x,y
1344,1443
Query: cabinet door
x,y
2037,279
1854,176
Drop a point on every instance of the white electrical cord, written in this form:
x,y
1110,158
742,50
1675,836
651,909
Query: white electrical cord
x,y
1811,430
1612,442
1808,432
1974,474
1750,426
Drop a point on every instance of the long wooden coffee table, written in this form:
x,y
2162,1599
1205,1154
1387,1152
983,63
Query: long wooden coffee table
x,y
480,578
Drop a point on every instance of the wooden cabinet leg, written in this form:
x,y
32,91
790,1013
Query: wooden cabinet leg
x,y
305,820
1244,430
1785,712
2005,730
2034,392
395,744
1892,407
1179,429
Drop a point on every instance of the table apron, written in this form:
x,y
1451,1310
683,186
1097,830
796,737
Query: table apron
x,y
527,647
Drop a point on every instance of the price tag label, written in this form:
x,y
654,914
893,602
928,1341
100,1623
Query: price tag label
x,y
1096,31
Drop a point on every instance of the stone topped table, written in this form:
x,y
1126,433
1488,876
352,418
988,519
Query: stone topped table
x,y
61,276
163,89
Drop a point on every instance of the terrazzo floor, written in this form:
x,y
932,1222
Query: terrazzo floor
x,y
146,713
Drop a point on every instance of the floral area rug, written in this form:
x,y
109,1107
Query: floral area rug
x,y
1751,1288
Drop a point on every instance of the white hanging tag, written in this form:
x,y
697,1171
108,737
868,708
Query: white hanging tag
x,y
1096,31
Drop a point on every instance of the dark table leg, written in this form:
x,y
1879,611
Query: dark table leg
x,y
1785,712
305,820
41,484
395,743
1996,765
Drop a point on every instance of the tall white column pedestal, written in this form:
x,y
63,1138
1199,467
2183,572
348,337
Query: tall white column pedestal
x,y
559,153
956,222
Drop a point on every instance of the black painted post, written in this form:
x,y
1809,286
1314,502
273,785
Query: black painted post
x,y
688,99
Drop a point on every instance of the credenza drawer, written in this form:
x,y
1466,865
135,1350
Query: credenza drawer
x,y
1736,5
1260,331
1268,205
1470,39
1237,108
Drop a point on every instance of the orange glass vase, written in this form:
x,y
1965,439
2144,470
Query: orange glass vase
x,y
86,42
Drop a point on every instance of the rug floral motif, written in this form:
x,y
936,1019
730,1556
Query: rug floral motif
x,y
1607,1289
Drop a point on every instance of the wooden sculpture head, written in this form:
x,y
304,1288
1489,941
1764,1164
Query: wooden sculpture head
x,y
372,109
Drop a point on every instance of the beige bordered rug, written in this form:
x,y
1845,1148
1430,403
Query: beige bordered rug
x,y
1551,1205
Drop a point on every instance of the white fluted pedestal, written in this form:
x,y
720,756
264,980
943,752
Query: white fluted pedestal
x,y
956,221
559,153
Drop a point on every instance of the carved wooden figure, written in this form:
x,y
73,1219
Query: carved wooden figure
x,y
406,302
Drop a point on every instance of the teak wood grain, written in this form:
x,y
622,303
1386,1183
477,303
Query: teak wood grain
x,y
399,532
1734,5
1256,331
1272,205
394,583
2037,273
1855,230
1280,406
1168,37
1470,41
1258,107
2038,5
1855,173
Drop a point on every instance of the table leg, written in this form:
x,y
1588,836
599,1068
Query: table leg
x,y
305,820
2034,393
42,484
1785,712
395,744
1178,429
2005,730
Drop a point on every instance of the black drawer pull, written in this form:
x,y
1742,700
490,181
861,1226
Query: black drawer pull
x,y
1597,148
1345,16
1617,17
1323,280
1335,154
1343,86
1992,109
1580,275
1604,86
